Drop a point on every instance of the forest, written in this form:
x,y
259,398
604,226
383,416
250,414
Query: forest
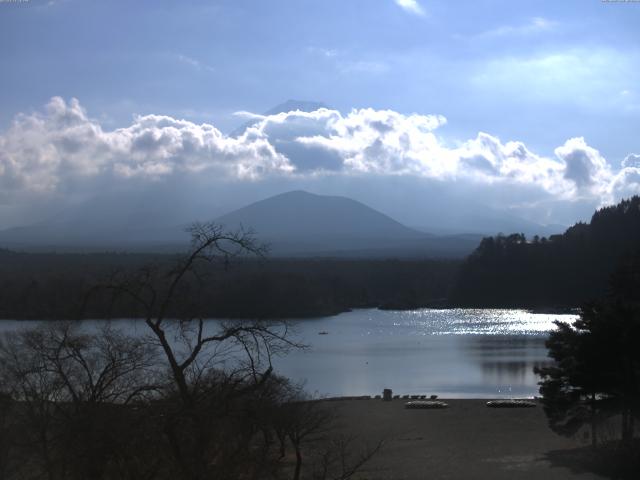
x,y
61,286
560,271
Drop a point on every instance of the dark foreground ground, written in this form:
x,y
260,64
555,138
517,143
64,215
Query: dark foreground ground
x,y
465,441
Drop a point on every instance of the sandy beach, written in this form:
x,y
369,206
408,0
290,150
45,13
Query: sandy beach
x,y
467,440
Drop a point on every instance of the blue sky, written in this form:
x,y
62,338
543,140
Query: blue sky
x,y
535,72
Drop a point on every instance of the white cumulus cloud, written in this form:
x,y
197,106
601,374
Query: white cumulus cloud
x,y
62,147
631,160
411,6
584,167
61,152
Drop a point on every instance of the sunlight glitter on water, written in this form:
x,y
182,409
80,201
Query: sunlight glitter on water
x,y
479,322
462,353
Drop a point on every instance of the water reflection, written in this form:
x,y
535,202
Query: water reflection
x,y
455,353
509,372
451,353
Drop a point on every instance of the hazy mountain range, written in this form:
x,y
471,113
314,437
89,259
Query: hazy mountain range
x,y
295,223
301,223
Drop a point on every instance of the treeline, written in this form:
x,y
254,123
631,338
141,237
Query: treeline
x,y
563,270
62,286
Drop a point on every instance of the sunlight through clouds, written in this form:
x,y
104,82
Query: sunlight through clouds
x,y
62,151
411,6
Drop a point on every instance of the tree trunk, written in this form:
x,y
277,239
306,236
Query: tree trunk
x,y
282,438
296,474
594,434
627,427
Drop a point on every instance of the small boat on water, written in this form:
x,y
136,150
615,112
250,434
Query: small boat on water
x,y
323,333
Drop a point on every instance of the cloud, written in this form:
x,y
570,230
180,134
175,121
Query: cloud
x,y
534,25
388,143
411,6
61,153
631,160
589,78
195,63
626,183
380,141
584,166
62,148
248,115
323,52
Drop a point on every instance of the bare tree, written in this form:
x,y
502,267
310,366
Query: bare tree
x,y
190,399
309,425
342,458
169,302
239,353
72,391
8,434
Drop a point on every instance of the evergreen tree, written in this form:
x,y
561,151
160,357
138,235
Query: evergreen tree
x,y
596,373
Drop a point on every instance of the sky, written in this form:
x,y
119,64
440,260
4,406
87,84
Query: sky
x,y
432,107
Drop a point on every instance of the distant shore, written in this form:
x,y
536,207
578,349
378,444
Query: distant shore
x,y
467,440
334,312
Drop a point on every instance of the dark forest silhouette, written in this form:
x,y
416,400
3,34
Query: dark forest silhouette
x,y
593,384
54,286
563,270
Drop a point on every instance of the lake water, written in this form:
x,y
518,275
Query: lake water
x,y
451,353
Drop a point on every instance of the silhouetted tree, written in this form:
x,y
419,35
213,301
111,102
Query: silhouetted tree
x,y
191,399
72,393
246,347
596,373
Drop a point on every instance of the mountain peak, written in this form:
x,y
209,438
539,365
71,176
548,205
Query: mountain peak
x,y
293,105
302,215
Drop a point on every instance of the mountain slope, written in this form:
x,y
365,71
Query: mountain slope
x,y
299,214
295,223
299,223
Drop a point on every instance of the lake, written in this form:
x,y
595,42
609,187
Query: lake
x,y
458,353
451,353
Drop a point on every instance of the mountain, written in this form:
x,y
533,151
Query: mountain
x,y
453,215
295,223
288,106
302,223
299,214
293,105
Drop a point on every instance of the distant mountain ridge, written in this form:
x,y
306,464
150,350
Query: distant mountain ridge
x,y
296,223
300,223
300,214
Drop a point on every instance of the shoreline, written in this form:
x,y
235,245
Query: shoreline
x,y
326,314
466,440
